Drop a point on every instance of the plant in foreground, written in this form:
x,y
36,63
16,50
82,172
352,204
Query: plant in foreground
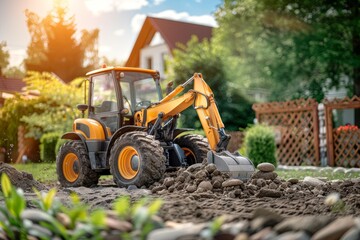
x,y
75,221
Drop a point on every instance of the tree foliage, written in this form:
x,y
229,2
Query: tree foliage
x,y
52,110
234,109
4,57
54,47
296,48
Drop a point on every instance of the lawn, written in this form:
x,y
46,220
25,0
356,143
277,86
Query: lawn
x,y
46,173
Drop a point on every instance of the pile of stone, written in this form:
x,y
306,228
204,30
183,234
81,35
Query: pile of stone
x,y
268,225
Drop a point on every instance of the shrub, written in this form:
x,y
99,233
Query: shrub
x,y
48,143
260,144
59,143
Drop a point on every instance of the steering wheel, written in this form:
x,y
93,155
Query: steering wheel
x,y
142,104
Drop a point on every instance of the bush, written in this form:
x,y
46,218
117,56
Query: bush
x,y
48,143
59,143
260,144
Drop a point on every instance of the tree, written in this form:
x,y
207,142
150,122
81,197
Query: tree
x,y
4,57
54,48
300,48
235,110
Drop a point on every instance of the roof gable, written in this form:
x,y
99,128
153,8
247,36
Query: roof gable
x,y
172,32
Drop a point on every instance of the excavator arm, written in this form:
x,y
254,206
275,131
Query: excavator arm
x,y
202,99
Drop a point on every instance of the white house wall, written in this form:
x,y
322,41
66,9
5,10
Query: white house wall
x,y
157,54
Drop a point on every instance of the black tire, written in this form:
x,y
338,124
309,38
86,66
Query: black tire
x,y
73,166
195,147
143,154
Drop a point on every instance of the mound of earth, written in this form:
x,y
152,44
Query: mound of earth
x,y
21,179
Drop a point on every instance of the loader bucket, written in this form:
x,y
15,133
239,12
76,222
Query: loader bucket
x,y
233,163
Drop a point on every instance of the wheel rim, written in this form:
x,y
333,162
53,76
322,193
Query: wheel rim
x,y
189,155
128,162
71,167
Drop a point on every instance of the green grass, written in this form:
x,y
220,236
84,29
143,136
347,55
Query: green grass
x,y
300,174
42,172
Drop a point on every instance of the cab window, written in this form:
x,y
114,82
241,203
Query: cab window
x,y
104,95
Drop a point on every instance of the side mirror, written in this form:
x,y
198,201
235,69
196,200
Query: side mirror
x,y
169,87
124,111
82,108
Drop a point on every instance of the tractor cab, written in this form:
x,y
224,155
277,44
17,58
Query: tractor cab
x,y
116,93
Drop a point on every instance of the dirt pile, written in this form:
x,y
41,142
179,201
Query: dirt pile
x,y
21,179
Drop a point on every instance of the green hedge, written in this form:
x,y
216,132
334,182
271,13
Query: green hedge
x,y
260,144
48,143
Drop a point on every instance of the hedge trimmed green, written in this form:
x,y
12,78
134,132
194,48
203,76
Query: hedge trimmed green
x,y
48,143
260,144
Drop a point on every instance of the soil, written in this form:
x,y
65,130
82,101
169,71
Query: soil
x,y
201,193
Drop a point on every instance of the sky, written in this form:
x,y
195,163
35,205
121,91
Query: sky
x,y
119,21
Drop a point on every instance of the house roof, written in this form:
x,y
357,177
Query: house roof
x,y
172,32
11,85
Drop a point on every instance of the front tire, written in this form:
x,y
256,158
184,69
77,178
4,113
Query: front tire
x,y
73,166
194,146
136,159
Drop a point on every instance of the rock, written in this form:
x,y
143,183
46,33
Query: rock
x,y
63,219
335,230
312,181
210,168
262,234
191,188
268,193
293,180
235,228
195,167
260,182
264,175
176,233
266,167
273,186
169,181
293,236
132,187
242,236
206,185
157,189
352,234
232,182
201,175
115,224
263,218
310,224
217,184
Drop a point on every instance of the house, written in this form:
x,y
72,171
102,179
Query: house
x,y
158,38
9,87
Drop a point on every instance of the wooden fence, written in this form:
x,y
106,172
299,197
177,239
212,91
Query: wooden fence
x,y
343,143
297,128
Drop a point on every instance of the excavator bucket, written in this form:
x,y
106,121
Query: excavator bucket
x,y
233,163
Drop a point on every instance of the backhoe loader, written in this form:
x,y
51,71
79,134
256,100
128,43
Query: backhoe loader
x,y
130,131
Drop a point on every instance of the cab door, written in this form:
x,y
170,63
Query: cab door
x,y
104,101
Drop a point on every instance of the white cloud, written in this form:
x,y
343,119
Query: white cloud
x,y
97,7
119,32
208,20
158,2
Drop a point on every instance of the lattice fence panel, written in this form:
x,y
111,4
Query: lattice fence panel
x,y
343,145
297,125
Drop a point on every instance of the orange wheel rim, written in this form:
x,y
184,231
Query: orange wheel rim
x,y
188,153
128,162
69,167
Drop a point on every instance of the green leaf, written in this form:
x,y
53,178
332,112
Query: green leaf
x,y
122,206
48,200
5,185
97,218
155,206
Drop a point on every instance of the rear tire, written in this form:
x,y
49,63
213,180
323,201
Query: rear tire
x,y
136,159
73,166
195,147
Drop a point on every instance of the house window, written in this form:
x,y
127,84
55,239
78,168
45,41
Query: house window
x,y
149,63
164,58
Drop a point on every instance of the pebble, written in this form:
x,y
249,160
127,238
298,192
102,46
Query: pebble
x,y
266,167
264,175
232,182
293,180
309,224
335,230
312,181
293,236
206,185
210,168
169,181
191,188
176,233
115,224
352,234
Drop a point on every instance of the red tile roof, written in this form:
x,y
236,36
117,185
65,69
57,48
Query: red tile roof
x,y
172,32
11,85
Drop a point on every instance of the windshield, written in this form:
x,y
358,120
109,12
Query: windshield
x,y
143,87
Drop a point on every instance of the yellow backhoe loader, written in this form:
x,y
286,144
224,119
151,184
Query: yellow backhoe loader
x,y
131,133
